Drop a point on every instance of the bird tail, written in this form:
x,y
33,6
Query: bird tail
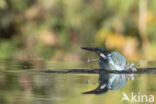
x,y
98,90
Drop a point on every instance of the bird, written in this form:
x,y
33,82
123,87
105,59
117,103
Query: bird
x,y
112,61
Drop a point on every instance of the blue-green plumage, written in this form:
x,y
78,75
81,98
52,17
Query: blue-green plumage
x,y
109,61
115,61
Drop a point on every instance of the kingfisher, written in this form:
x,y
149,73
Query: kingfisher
x,y
112,61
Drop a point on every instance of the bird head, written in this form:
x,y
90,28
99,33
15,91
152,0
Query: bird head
x,y
102,53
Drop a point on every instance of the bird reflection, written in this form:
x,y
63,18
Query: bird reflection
x,y
111,61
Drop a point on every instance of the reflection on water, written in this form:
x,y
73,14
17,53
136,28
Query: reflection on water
x,y
110,82
51,88
35,88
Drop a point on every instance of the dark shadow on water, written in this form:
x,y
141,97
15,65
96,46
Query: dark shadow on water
x,y
95,71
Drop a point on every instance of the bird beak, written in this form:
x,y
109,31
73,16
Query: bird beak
x,y
95,50
98,90
89,49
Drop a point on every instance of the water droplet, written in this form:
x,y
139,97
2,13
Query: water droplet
x,y
88,81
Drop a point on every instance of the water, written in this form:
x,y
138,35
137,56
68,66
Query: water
x,y
26,87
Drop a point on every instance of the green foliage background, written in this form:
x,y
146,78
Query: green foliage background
x,y
55,29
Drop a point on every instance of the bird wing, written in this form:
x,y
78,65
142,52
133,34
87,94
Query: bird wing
x,y
117,59
117,81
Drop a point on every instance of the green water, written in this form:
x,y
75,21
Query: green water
x,y
21,87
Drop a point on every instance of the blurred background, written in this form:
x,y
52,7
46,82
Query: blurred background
x,y
34,31
48,34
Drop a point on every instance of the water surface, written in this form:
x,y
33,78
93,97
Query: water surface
x,y
25,87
